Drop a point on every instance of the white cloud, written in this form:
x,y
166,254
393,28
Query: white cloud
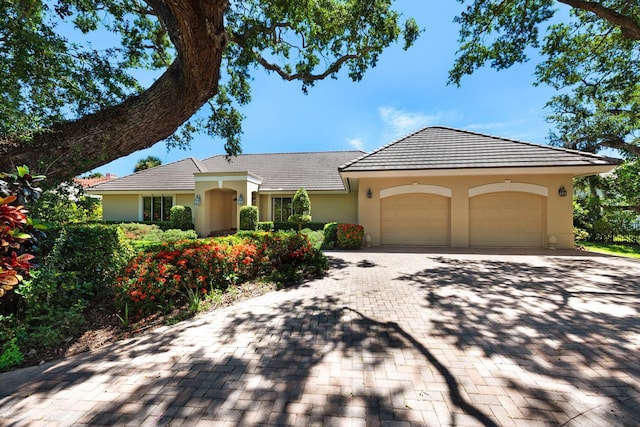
x,y
356,143
515,129
399,123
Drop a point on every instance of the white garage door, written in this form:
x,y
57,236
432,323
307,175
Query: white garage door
x,y
415,219
506,220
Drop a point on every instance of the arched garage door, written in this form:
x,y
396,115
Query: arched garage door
x,y
506,219
415,219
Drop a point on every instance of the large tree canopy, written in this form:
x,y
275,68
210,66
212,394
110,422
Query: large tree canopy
x,y
592,59
68,106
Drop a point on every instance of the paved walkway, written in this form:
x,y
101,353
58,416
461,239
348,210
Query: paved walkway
x,y
392,339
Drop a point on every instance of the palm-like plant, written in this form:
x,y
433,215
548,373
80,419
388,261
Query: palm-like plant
x,y
147,163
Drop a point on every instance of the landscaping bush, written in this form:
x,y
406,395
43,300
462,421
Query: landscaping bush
x,y
349,236
286,226
301,206
163,278
77,264
143,234
249,218
316,238
330,234
181,217
265,226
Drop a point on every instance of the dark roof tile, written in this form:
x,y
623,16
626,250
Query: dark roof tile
x,y
446,148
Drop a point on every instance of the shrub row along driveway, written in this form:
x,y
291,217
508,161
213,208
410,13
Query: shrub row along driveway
x,y
385,339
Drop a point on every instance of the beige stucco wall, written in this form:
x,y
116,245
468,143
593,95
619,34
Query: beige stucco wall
x,y
325,207
558,216
334,207
218,210
124,207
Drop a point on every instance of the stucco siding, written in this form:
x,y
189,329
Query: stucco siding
x,y
334,207
557,215
121,207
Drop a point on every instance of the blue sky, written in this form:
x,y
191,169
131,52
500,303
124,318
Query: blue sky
x,y
405,92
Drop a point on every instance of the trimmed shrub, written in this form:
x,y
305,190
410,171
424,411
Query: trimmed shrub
x,y
349,236
330,234
94,254
162,278
249,218
286,226
301,206
265,226
181,217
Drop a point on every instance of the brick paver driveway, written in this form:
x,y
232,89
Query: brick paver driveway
x,y
386,339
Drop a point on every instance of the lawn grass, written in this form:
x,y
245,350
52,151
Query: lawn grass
x,y
619,249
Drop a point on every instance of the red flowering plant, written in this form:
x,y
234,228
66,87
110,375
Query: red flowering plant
x,y
169,276
159,279
350,236
15,227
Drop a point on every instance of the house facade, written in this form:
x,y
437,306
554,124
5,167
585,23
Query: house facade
x,y
436,187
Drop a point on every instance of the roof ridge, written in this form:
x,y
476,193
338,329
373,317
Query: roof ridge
x,y
518,141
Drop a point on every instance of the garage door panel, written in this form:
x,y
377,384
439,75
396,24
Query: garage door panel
x,y
415,219
506,220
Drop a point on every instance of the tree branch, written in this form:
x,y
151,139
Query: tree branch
x,y
629,27
196,27
620,144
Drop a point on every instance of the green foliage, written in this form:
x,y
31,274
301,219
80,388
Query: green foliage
x,y
301,206
265,226
147,163
249,218
95,254
78,263
11,355
286,226
330,234
631,251
16,229
304,41
143,234
590,60
181,217
349,236
316,238
626,183
580,235
66,204
159,279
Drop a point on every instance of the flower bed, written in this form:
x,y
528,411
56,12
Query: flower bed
x,y
158,279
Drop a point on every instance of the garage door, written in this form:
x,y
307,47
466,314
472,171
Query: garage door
x,y
415,219
506,220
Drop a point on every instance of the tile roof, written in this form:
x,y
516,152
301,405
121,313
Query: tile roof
x,y
176,176
289,171
446,148
279,171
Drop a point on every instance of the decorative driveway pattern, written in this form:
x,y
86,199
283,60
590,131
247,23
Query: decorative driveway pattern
x,y
393,339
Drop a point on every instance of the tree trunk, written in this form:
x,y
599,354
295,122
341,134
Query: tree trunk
x,y
196,27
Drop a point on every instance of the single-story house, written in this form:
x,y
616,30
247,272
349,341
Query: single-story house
x,y
436,187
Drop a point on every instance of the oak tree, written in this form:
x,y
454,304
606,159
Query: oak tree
x,y
69,104
591,56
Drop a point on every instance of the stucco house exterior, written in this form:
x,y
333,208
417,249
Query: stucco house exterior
x,y
436,187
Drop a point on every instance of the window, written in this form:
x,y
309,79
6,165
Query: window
x,y
156,208
281,209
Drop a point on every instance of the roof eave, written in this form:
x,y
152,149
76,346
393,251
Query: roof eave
x,y
574,170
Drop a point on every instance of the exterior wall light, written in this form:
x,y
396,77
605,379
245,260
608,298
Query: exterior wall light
x,y
197,200
562,192
240,200
369,194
